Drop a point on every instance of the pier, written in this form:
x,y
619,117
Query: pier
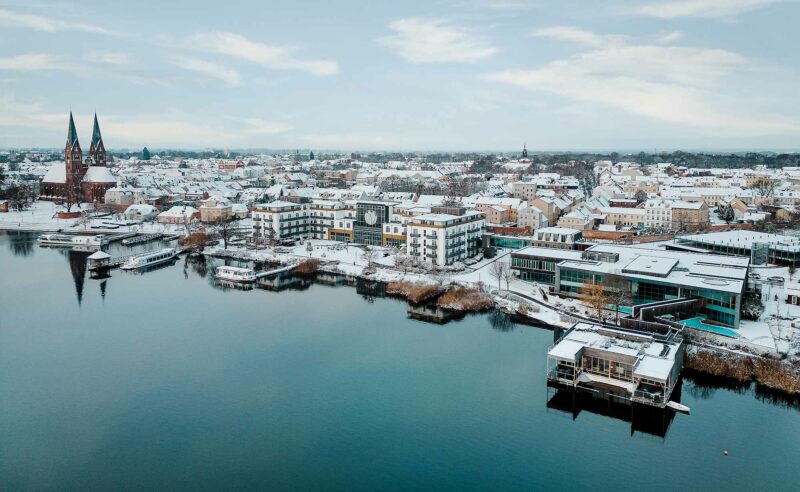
x,y
141,238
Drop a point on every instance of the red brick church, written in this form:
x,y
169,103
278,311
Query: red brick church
x,y
85,180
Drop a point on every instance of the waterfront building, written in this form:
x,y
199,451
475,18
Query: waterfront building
x,y
760,247
281,219
445,236
178,215
649,275
369,220
81,180
631,365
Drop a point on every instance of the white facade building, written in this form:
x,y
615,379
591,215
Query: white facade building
x,y
442,239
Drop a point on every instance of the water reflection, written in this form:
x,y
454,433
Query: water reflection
x,y
21,244
644,419
501,321
77,265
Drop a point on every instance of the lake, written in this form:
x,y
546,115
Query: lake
x,y
164,380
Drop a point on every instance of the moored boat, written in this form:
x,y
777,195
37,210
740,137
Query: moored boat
x,y
236,274
674,405
73,241
150,259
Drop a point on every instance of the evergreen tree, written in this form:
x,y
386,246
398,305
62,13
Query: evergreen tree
x,y
145,154
311,156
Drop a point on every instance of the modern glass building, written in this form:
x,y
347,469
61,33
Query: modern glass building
x,y
651,275
370,217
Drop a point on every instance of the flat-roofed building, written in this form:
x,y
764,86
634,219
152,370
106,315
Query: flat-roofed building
x,y
444,238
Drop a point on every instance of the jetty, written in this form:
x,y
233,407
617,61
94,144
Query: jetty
x,y
142,238
270,273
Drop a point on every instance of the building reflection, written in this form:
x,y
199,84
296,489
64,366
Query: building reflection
x,y
643,418
77,266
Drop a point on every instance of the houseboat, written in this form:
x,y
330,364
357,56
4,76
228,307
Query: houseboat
x,y
74,241
236,274
150,259
631,365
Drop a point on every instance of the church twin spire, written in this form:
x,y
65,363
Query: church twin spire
x,y
97,150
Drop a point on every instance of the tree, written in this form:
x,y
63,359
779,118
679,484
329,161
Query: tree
x,y
726,213
369,255
500,270
594,295
146,154
196,241
763,187
73,193
640,196
311,156
618,293
224,227
20,197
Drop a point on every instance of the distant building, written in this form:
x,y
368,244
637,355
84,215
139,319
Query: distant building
x,y
85,181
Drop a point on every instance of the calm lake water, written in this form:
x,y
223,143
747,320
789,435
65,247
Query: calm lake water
x,y
163,380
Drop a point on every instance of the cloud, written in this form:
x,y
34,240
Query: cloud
x,y
227,75
355,140
577,36
46,24
109,58
152,130
422,40
270,56
677,85
29,62
701,8
670,37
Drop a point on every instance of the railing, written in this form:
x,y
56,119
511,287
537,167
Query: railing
x,y
647,397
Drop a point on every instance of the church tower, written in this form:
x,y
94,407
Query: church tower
x,y
524,151
97,151
73,161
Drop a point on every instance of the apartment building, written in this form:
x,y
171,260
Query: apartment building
x,y
445,236
281,220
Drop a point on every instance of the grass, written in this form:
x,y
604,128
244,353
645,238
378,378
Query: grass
x,y
770,373
307,267
415,292
465,300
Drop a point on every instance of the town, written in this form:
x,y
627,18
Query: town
x,y
701,258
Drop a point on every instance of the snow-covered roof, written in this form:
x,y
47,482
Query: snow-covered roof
x,y
98,174
56,174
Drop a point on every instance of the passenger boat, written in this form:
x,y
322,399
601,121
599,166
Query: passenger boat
x,y
236,274
67,240
150,259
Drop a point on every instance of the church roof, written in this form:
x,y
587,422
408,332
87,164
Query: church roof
x,y
99,174
72,134
56,174
96,137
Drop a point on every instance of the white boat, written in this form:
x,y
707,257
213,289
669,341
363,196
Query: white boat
x,y
236,274
674,405
150,259
73,241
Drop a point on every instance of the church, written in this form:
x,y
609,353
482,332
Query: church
x,y
86,180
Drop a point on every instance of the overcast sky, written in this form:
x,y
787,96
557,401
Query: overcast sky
x,y
404,75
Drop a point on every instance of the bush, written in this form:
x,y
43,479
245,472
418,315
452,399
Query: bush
x,y
464,299
752,308
308,267
413,291
195,241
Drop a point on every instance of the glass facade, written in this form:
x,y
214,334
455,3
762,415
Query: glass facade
x,y
365,232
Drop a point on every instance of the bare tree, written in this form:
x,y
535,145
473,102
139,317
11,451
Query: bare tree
x,y
369,255
595,296
764,187
224,227
617,293
500,270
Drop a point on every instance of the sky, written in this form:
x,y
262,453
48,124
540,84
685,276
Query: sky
x,y
450,75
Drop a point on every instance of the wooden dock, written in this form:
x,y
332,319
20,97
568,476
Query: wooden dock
x,y
142,238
